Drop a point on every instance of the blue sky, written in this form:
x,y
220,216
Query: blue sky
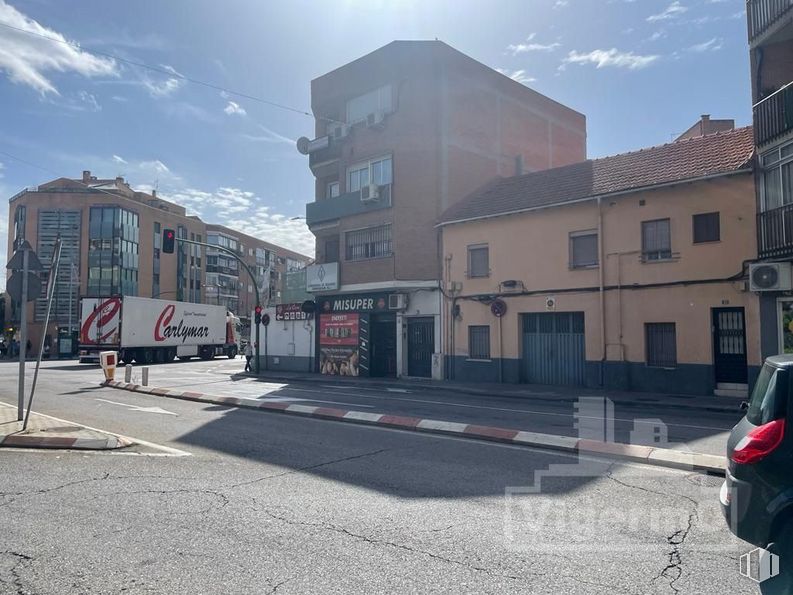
x,y
641,71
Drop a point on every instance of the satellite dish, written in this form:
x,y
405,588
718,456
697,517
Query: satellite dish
x,y
302,145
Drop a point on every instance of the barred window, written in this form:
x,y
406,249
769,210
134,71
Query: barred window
x,y
373,242
656,240
479,342
661,344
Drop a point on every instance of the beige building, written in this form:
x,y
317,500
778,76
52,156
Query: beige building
x,y
625,272
112,246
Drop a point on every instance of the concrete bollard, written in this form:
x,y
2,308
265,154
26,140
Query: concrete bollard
x,y
128,373
144,372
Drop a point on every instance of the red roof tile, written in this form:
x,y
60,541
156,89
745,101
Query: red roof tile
x,y
719,153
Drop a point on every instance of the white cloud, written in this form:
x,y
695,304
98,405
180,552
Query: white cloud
x,y
269,136
561,3
517,75
657,35
522,48
119,98
90,101
26,58
234,108
277,229
155,166
674,10
712,45
2,167
612,57
120,160
163,87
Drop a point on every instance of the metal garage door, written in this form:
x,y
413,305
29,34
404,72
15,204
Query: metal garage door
x,y
553,348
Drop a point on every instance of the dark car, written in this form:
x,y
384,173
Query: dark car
x,y
757,495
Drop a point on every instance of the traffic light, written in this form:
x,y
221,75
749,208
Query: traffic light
x,y
168,241
258,317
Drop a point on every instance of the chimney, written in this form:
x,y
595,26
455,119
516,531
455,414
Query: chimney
x,y
154,193
86,175
704,121
119,181
519,165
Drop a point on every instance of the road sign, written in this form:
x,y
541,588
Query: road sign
x,y
14,286
16,262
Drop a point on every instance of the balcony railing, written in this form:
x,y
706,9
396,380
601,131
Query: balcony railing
x,y
762,14
326,155
345,205
775,232
773,116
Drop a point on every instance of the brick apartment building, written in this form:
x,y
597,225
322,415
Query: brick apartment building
x,y
770,29
402,134
111,238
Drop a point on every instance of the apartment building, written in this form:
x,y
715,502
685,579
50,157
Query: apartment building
x,y
770,29
627,272
111,237
226,284
402,134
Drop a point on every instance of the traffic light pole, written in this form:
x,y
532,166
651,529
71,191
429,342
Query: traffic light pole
x,y
250,273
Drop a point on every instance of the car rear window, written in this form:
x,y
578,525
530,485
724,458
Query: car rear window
x,y
763,406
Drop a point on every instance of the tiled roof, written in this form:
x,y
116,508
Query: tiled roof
x,y
719,153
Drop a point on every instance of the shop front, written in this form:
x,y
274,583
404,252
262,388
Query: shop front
x,y
357,335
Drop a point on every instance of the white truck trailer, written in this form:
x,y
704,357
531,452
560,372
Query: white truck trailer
x,y
148,331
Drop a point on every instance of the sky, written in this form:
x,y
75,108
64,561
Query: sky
x,y
642,71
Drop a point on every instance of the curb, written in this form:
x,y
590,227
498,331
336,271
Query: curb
x,y
31,441
715,408
662,457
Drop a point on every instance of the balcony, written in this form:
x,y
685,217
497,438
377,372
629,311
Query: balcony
x,y
345,205
324,156
773,116
775,232
762,15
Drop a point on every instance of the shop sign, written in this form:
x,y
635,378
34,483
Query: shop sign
x,y
338,344
367,302
290,312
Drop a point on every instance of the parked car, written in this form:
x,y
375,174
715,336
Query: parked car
x,y
757,495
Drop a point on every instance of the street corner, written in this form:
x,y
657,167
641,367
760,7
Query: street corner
x,y
51,433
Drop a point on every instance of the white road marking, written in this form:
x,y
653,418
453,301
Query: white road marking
x,y
293,399
139,408
397,390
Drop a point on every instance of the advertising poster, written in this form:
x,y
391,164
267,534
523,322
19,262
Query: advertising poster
x,y
338,344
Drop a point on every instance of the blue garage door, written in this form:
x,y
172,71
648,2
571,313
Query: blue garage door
x,y
553,348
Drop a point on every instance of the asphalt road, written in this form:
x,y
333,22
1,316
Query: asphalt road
x,y
701,431
266,502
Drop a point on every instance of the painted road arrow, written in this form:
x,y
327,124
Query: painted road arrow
x,y
141,409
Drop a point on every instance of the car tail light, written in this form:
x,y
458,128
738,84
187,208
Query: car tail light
x,y
759,442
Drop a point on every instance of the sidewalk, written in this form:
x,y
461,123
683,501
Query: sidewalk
x,y
49,432
652,455
536,392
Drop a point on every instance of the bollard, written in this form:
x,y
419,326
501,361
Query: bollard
x,y
144,372
128,373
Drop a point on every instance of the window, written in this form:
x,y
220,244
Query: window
x,y
656,240
583,249
332,190
378,100
478,261
374,242
706,228
777,177
479,342
375,172
660,344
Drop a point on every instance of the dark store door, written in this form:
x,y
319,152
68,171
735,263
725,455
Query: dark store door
x,y
729,345
421,343
383,344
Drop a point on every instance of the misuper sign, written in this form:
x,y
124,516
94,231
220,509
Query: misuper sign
x,y
164,330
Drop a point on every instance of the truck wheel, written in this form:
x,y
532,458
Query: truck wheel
x,y
125,357
232,353
206,353
782,547
184,358
170,355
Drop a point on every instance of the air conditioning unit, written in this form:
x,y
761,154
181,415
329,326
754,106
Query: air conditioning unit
x,y
772,276
370,193
375,119
339,131
397,301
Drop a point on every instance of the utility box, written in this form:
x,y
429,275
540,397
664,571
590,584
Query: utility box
x,y
108,360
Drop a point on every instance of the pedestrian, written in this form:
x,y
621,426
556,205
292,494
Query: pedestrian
x,y
248,356
46,351
3,348
28,347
